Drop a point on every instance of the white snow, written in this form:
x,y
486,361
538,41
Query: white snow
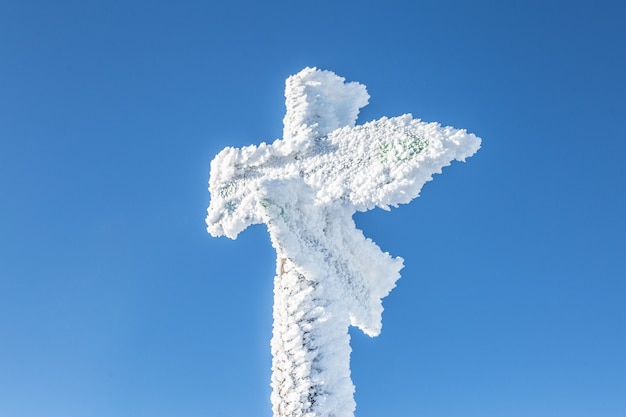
x,y
306,187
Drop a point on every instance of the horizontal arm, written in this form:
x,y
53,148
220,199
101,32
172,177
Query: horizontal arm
x,y
386,162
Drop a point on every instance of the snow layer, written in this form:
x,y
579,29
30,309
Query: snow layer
x,y
305,188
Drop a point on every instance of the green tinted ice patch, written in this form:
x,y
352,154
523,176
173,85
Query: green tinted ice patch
x,y
403,149
273,210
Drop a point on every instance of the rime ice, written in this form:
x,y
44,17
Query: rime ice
x,y
305,188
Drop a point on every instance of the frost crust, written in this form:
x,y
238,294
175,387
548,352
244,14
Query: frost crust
x,y
305,188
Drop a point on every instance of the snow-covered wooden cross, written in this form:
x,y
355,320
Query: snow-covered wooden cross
x,y
305,188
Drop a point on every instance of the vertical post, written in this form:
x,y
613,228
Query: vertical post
x,y
310,348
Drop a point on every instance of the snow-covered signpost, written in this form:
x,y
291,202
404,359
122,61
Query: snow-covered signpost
x,y
305,188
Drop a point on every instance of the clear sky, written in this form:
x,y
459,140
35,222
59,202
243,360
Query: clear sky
x,y
114,301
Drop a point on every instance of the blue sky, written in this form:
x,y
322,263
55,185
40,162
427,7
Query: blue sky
x,y
114,301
